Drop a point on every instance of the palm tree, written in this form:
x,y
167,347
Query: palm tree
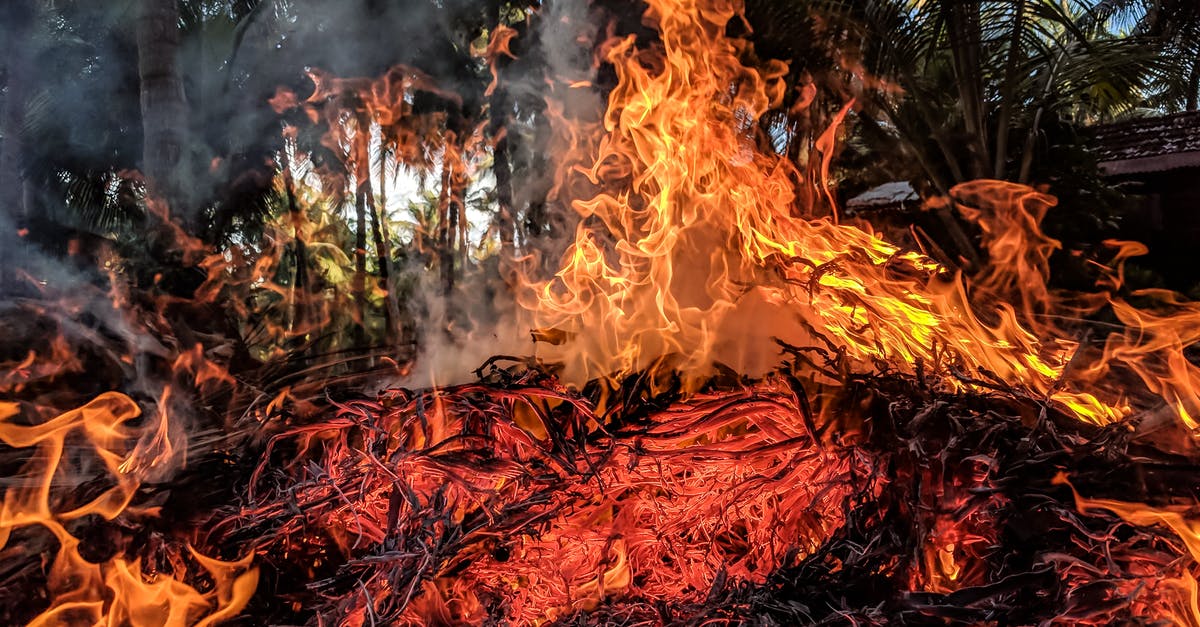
x,y
967,86
80,104
1175,27
163,102
70,119
946,91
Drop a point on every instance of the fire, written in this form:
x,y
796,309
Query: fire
x,y
1180,591
690,245
34,367
719,488
529,498
74,453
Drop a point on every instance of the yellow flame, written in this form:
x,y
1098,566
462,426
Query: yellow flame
x,y
691,244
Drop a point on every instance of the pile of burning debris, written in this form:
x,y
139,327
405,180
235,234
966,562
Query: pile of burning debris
x,y
514,499
736,414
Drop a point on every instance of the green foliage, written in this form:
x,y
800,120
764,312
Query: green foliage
x,y
967,87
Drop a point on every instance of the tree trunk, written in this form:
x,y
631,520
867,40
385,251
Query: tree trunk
x,y
17,16
504,198
1030,146
460,195
1034,129
455,242
298,307
498,107
382,254
164,104
447,225
1008,93
360,263
935,131
964,31
962,243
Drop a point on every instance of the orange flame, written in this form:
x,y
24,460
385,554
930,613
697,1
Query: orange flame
x,y
691,250
690,246
117,591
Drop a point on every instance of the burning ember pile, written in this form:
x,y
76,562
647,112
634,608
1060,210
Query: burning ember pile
x,y
736,409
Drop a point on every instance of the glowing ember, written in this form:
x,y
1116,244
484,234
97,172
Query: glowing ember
x,y
516,499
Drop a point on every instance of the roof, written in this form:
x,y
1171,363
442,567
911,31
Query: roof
x,y
1154,144
886,195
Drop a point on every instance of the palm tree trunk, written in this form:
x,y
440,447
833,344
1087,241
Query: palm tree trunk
x,y
1035,128
18,18
457,245
503,172
452,205
1008,93
298,307
445,227
383,258
497,120
360,263
936,131
1030,147
962,243
463,224
963,24
395,332
164,104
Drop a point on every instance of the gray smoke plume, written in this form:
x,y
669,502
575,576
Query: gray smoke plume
x,y
462,330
